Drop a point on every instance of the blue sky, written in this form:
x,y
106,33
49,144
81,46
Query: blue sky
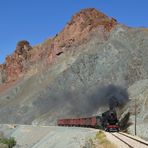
x,y
37,20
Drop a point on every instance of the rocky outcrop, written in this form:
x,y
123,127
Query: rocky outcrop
x,y
139,102
15,65
81,24
75,32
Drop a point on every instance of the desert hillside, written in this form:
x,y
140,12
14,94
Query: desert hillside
x,y
74,73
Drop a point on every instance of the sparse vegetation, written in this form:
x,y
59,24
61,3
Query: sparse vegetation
x,y
11,142
100,141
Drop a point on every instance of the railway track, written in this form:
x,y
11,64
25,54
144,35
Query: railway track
x,y
130,141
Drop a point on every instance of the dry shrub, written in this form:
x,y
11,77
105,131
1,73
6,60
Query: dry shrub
x,y
102,141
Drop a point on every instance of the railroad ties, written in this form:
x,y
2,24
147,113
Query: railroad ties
x,y
131,141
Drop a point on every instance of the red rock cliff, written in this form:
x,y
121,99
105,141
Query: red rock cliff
x,y
80,26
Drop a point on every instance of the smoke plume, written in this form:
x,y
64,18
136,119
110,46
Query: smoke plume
x,y
107,96
82,102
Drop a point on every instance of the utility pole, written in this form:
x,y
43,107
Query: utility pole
x,y
135,118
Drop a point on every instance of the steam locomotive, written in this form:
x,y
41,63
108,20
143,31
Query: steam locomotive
x,y
107,121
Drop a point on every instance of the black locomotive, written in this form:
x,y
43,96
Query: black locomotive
x,y
109,121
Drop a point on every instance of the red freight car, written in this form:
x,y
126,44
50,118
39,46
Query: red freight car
x,y
61,122
93,122
83,122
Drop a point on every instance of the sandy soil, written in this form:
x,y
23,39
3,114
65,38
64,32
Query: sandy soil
x,y
50,137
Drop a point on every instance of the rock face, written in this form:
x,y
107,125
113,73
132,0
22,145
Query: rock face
x,y
139,99
68,75
81,25
15,64
75,32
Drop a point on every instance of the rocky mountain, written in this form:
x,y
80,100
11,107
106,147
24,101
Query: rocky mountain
x,y
75,72
74,33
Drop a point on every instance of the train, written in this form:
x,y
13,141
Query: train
x,y
107,121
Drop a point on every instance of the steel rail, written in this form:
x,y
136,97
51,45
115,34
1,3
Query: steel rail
x,y
123,141
134,139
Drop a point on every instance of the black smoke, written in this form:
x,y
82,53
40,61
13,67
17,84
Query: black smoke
x,y
117,96
88,102
82,102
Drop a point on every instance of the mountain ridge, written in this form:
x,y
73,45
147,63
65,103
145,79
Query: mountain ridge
x,y
75,32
